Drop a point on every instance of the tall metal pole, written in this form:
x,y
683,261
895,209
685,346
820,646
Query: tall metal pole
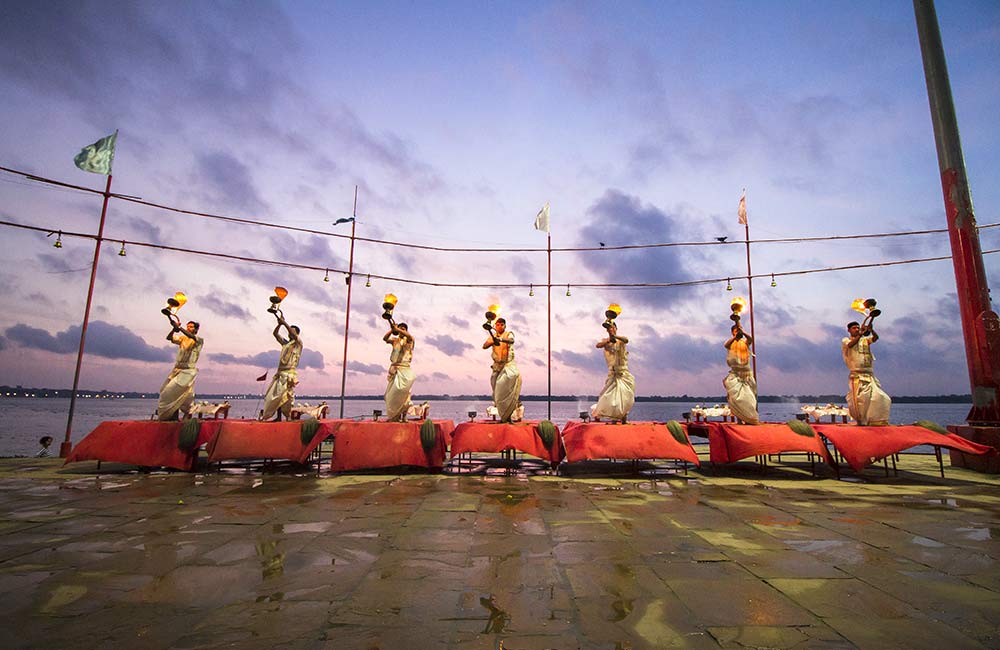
x,y
347,320
753,348
66,445
549,285
980,324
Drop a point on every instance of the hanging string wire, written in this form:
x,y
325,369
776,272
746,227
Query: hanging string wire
x,y
385,242
465,285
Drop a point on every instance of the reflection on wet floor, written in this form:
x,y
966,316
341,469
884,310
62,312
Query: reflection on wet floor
x,y
514,560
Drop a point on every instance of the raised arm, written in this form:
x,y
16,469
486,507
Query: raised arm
x,y
277,329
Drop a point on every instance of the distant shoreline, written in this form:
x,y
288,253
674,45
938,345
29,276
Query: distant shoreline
x,y
64,393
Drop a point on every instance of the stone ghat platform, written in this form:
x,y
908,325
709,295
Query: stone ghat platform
x,y
253,559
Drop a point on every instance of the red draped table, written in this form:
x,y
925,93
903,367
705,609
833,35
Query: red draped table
x,y
635,440
729,443
493,437
252,440
148,443
861,445
372,445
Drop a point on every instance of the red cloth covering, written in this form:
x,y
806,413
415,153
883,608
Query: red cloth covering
x,y
863,445
492,437
590,440
370,445
447,429
149,443
250,440
729,443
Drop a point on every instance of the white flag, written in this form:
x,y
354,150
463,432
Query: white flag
x,y
742,209
542,219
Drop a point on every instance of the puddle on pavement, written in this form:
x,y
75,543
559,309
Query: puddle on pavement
x,y
113,486
498,618
830,549
272,563
312,527
621,608
61,596
977,534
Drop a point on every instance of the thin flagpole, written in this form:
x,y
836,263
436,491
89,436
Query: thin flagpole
x,y
753,336
549,283
67,446
347,320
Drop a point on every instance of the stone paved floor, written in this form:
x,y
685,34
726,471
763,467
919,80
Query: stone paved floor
x,y
253,559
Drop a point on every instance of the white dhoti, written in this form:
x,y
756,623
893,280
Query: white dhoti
x,y
506,382
741,392
280,394
397,392
866,401
618,396
177,393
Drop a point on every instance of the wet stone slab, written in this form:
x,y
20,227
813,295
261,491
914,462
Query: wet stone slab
x,y
299,560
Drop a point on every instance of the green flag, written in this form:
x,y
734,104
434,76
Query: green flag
x,y
98,157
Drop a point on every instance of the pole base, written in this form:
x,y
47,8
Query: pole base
x,y
65,448
983,435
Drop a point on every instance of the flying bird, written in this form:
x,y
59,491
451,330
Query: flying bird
x,y
721,240
601,243
343,220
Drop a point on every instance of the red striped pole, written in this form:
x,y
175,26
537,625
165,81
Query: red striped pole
x,y
66,445
347,319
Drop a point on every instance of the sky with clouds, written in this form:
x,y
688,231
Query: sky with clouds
x,y
639,123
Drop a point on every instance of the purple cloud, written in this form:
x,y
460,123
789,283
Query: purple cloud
x,y
223,307
103,340
269,359
365,368
450,346
617,218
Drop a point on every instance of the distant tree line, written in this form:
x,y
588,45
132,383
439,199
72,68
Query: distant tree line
x,y
20,391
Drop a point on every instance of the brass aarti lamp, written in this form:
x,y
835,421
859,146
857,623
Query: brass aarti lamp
x,y
492,312
280,293
388,304
174,303
866,306
737,306
611,313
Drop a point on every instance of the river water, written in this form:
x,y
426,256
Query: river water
x,y
24,420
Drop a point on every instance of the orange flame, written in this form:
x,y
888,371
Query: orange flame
x,y
738,304
859,306
616,308
281,292
390,299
